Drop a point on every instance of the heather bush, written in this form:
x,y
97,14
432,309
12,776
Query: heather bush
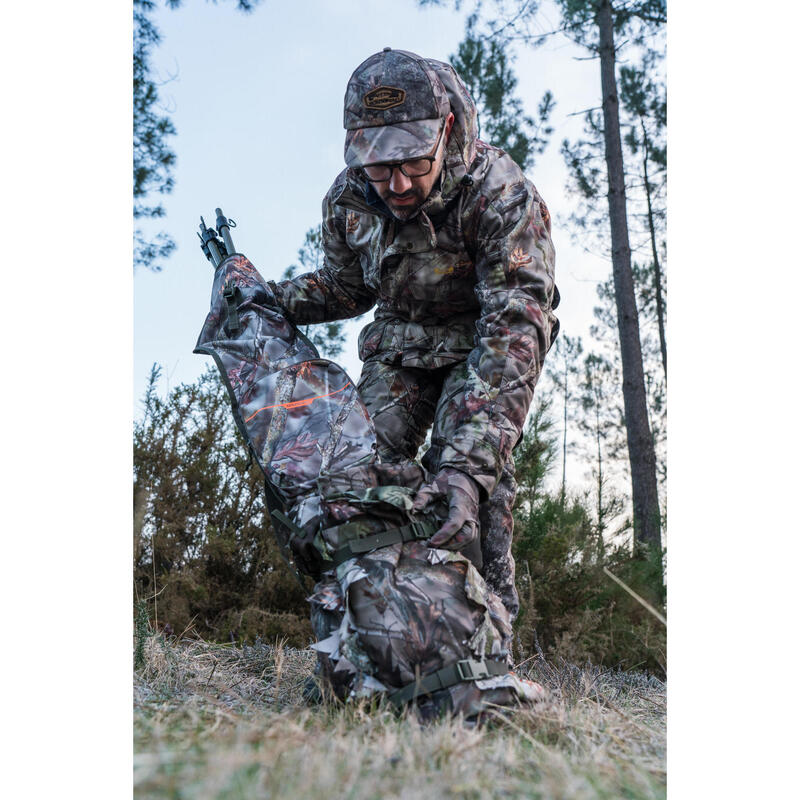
x,y
205,557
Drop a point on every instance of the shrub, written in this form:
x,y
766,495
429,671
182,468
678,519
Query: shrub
x,y
204,551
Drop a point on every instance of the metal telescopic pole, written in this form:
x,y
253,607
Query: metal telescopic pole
x,y
224,226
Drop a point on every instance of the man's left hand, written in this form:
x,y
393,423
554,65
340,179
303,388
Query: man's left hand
x,y
461,526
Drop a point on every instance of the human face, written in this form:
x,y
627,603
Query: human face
x,y
404,195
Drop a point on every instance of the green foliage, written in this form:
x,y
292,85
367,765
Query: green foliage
x,y
153,156
568,605
602,420
565,354
536,453
141,631
203,549
635,18
485,67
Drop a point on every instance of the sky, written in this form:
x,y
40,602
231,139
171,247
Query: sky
x,y
257,103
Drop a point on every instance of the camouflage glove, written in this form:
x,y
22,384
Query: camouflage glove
x,y
269,297
461,492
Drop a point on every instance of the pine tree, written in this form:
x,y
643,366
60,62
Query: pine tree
x,y
645,101
485,66
566,352
153,157
598,388
598,20
535,454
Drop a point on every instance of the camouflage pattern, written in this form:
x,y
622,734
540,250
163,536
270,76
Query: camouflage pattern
x,y
301,414
403,403
388,616
401,142
468,280
393,107
496,522
464,294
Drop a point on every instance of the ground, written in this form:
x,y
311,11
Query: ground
x,y
217,721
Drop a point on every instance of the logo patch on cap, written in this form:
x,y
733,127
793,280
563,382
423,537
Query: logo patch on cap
x,y
383,97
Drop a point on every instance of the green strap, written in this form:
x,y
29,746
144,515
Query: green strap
x,y
408,533
230,293
287,522
467,669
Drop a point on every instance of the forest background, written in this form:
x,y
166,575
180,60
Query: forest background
x,y
78,229
203,562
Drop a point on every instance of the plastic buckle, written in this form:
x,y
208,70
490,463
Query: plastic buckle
x,y
470,670
419,529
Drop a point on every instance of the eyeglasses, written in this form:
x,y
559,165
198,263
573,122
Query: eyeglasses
x,y
415,168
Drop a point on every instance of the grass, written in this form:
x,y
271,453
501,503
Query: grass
x,y
217,721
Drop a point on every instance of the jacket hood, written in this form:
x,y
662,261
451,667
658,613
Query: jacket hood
x,y
461,145
459,156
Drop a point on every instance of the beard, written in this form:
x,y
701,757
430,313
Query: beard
x,y
404,212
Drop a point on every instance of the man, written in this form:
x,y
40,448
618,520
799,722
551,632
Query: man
x,y
446,235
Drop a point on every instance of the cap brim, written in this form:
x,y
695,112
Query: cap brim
x,y
400,142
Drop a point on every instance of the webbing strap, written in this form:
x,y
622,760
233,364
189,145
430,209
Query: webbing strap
x,y
296,530
466,670
233,297
407,533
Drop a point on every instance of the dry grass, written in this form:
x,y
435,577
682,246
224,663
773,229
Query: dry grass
x,y
214,721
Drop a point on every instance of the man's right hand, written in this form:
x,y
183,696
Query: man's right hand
x,y
461,526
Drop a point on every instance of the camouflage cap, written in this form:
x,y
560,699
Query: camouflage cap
x,y
393,108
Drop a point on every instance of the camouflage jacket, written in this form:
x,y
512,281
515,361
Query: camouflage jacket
x,y
471,276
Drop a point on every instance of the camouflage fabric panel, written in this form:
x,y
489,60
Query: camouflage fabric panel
x,y
497,532
417,609
265,340
369,498
418,95
400,142
403,402
312,421
301,414
464,133
475,700
405,611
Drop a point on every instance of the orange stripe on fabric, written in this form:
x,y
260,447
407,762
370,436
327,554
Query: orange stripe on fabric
x,y
298,403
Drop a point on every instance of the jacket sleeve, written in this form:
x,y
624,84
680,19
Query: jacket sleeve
x,y
336,290
514,263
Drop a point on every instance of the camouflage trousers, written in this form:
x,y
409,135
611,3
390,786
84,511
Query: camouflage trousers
x,y
404,402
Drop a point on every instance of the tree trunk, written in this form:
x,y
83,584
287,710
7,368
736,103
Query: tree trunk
x,y
646,514
564,456
656,262
601,521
